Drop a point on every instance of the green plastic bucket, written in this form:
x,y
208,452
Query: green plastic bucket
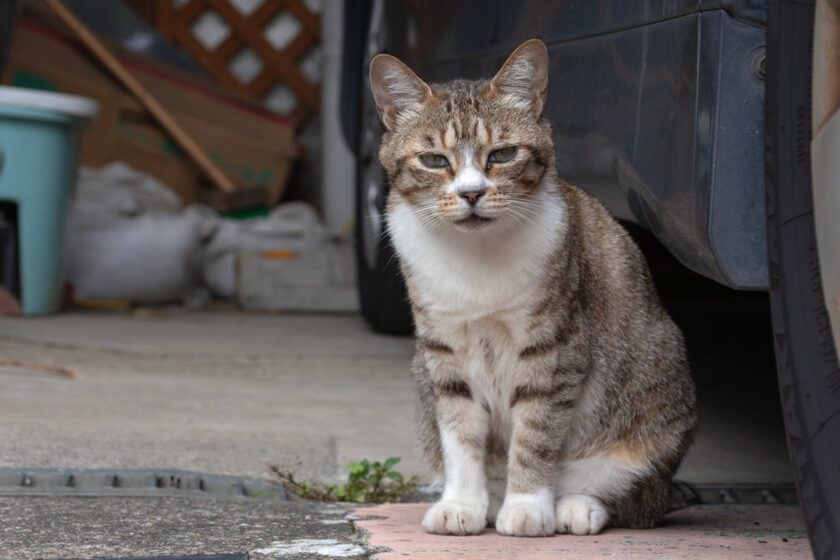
x,y
38,148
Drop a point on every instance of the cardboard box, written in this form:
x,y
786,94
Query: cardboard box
x,y
252,145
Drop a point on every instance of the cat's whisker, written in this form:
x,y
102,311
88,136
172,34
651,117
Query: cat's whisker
x,y
525,202
530,212
521,219
428,214
533,207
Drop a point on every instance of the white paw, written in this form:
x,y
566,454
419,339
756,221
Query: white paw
x,y
581,515
454,518
527,515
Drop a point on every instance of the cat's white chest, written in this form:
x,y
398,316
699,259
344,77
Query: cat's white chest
x,y
466,287
478,291
473,275
489,353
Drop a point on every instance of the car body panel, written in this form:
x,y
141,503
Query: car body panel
x,y
657,107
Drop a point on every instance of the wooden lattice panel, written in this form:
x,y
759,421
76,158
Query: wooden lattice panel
x,y
247,43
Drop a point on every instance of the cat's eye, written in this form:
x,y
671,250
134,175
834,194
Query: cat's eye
x,y
434,160
501,155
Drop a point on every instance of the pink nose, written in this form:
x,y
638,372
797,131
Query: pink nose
x,y
472,196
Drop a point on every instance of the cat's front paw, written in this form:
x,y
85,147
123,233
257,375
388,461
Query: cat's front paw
x,y
526,515
581,515
454,518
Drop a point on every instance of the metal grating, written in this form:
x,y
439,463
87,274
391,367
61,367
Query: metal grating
x,y
684,494
154,482
132,482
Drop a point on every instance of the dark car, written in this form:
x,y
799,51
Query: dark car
x,y
688,118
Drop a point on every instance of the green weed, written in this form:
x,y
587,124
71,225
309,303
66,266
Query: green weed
x,y
367,483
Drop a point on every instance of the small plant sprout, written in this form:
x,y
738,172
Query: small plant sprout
x,y
367,482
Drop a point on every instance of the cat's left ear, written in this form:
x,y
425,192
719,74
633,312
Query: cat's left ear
x,y
524,76
395,88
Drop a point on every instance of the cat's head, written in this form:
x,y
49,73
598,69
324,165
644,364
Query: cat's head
x,y
466,154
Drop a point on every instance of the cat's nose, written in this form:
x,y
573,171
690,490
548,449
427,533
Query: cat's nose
x,y
472,196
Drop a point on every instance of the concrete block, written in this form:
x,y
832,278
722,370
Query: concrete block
x,y
322,279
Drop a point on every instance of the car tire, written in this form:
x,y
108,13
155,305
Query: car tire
x,y
382,293
809,376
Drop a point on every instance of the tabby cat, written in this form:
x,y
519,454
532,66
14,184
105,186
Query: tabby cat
x,y
554,390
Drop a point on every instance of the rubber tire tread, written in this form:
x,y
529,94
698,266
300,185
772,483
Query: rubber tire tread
x,y
809,376
383,296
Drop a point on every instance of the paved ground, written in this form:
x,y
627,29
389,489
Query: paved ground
x,y
253,529
224,392
693,533
86,527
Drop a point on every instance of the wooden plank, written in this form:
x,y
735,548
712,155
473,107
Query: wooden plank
x,y
279,66
300,114
263,82
220,72
306,92
228,48
302,43
189,11
310,20
150,102
164,19
263,14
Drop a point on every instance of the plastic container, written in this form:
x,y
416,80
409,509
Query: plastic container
x,y
38,147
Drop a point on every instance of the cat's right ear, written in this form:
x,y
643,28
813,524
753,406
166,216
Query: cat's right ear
x,y
396,88
524,76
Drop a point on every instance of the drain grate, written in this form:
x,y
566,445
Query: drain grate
x,y
157,482
131,482
684,494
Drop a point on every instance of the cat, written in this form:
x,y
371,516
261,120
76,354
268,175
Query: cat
x,y
554,389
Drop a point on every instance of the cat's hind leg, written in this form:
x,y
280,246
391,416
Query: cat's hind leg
x,y
580,514
595,490
645,505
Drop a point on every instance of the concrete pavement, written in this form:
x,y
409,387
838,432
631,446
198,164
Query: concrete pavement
x,y
254,529
137,527
224,393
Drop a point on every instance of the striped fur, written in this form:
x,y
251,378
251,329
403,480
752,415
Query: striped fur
x,y
554,390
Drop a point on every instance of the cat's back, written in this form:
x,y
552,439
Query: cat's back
x,y
615,276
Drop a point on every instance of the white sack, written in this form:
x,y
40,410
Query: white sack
x,y
129,238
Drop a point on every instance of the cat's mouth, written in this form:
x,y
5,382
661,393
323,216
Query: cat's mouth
x,y
473,221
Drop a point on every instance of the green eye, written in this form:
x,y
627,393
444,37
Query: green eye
x,y
502,155
434,160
